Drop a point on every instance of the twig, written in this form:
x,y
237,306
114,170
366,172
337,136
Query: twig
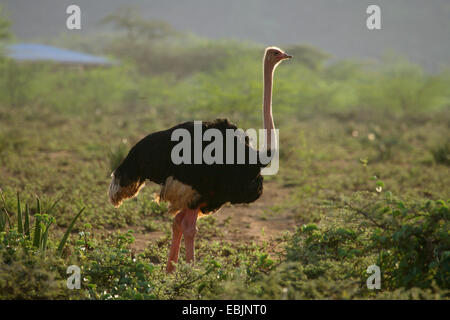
x,y
360,211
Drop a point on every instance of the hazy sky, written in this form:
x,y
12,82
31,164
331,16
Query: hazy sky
x,y
418,29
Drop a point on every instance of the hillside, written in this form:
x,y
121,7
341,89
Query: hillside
x,y
414,28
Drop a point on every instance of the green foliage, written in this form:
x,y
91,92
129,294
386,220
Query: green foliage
x,y
42,223
410,244
67,233
335,243
222,83
57,123
113,272
401,86
28,276
441,153
414,248
5,33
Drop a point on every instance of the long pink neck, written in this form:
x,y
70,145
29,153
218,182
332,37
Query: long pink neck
x,y
267,107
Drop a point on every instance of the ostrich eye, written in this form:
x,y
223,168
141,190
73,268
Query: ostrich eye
x,y
276,53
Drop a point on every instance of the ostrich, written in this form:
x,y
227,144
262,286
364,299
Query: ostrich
x,y
194,190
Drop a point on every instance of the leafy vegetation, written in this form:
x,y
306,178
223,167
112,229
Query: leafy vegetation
x,y
64,129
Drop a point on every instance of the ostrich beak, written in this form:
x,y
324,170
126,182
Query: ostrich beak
x,y
286,56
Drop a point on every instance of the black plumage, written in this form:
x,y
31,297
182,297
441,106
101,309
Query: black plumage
x,y
215,184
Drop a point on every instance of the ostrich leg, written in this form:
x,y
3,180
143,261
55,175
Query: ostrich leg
x,y
176,240
188,225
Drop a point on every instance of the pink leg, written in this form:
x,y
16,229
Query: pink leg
x,y
189,228
175,248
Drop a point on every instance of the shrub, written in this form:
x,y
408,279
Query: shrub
x,y
441,153
414,247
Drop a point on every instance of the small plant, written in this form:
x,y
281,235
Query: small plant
x,y
414,248
42,223
150,226
116,156
67,233
410,241
441,153
159,208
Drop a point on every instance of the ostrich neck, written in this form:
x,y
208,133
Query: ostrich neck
x,y
267,107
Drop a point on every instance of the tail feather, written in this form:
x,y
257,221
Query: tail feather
x,y
118,193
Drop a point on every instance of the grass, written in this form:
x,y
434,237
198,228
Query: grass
x,y
441,153
363,170
42,223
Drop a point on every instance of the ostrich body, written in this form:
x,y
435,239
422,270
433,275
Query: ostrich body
x,y
196,189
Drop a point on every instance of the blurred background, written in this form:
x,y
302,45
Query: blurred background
x,y
416,29
364,120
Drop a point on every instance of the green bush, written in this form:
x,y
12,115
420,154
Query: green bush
x,y
414,248
409,242
441,153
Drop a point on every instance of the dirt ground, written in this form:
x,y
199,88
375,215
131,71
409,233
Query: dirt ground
x,y
241,223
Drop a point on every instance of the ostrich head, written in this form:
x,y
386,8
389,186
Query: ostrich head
x,y
275,55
